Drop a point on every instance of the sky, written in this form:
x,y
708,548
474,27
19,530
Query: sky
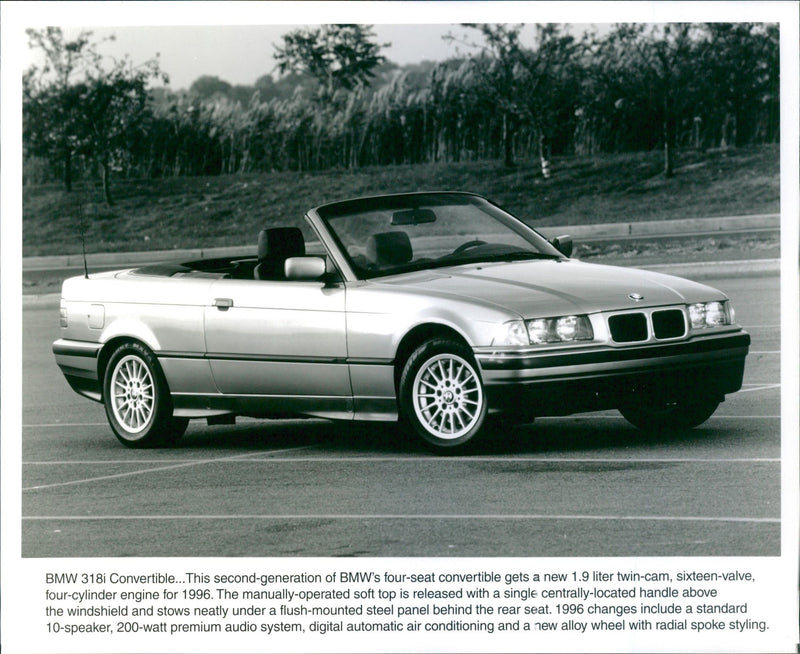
x,y
234,40
240,54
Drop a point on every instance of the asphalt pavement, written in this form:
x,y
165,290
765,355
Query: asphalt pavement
x,y
583,485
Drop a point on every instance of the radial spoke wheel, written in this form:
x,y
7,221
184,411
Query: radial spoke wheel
x,y
137,399
442,395
132,390
447,396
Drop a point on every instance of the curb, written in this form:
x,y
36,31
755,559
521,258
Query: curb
x,y
695,271
718,269
663,228
46,300
600,232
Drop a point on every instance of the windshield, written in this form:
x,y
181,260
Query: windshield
x,y
395,234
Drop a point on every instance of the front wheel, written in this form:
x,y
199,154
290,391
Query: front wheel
x,y
441,394
137,401
685,413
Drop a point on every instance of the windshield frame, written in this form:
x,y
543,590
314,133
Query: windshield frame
x,y
321,216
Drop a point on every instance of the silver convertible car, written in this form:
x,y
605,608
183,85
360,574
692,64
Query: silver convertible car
x,y
434,310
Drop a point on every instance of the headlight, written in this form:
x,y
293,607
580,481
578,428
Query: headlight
x,y
710,314
560,330
515,334
567,328
715,314
537,330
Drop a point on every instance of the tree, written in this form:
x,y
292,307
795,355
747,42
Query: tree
x,y
549,80
51,102
533,88
654,67
207,86
115,106
495,64
73,105
741,74
337,56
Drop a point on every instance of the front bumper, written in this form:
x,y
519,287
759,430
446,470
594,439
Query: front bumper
x,y
561,381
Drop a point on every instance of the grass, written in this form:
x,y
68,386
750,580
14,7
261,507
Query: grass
x,y
230,210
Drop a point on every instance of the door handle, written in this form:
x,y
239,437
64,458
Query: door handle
x,y
223,303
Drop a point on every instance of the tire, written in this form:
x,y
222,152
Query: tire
x,y
684,413
442,399
137,400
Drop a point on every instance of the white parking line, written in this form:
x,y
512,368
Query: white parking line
x,y
577,416
763,387
406,459
588,418
405,516
159,469
50,425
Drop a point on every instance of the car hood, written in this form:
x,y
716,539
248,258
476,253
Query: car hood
x,y
548,288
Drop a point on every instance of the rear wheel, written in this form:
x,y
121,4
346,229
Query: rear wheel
x,y
654,415
137,400
441,394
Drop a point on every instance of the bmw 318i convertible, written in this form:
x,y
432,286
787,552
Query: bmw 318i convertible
x,y
434,310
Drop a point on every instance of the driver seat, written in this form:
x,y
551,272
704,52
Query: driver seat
x,y
275,246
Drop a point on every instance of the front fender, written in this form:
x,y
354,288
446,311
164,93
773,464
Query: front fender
x,y
379,317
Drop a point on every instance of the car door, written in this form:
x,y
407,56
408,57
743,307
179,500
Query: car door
x,y
280,345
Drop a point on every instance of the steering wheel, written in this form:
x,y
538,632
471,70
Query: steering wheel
x,y
469,244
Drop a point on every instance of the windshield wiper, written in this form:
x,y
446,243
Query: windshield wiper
x,y
513,256
505,256
446,262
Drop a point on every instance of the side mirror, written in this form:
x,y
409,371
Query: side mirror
x,y
304,269
563,244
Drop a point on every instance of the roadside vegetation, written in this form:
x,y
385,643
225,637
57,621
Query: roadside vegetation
x,y
223,210
641,122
